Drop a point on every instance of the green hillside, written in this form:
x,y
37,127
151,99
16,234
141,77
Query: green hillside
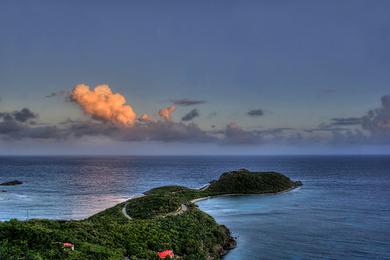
x,y
163,219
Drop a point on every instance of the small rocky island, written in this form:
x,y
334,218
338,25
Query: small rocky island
x,y
11,183
164,220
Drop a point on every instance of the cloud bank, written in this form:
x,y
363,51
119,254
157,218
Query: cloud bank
x,y
110,116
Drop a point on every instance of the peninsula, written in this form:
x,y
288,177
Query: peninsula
x,y
165,219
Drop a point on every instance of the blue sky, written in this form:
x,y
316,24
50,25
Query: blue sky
x,y
301,62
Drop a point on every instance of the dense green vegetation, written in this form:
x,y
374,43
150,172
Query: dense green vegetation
x,y
193,235
110,235
156,204
246,182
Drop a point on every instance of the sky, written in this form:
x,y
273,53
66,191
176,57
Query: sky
x,y
194,77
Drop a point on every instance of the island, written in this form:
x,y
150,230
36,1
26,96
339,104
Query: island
x,y
163,222
11,183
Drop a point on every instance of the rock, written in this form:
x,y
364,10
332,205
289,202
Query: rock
x,y
298,183
11,183
229,243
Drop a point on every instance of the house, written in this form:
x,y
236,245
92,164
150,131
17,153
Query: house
x,y
68,245
165,254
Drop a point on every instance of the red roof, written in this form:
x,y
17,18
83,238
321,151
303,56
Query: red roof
x,y
66,244
165,253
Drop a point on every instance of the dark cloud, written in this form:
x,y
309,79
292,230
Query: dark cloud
x,y
187,102
17,126
255,112
151,131
162,131
234,134
14,130
20,124
22,115
372,128
190,115
377,121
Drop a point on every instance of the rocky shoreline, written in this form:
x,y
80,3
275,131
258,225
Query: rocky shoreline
x,y
230,242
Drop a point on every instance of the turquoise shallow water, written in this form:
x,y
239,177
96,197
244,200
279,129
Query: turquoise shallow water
x,y
342,211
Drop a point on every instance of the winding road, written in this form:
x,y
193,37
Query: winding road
x,y
183,208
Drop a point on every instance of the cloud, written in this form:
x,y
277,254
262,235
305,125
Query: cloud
x,y
102,104
190,115
161,131
350,136
15,131
371,128
145,118
349,121
324,128
187,102
234,134
377,121
19,124
19,127
166,113
255,112
22,115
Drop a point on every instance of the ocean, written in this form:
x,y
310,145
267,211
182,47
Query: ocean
x,y
342,211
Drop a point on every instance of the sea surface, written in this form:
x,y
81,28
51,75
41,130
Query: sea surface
x,y
342,211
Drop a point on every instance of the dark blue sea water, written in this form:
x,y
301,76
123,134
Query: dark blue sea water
x,y
341,212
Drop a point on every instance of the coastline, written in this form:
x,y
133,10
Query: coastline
x,y
244,194
168,211
231,242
